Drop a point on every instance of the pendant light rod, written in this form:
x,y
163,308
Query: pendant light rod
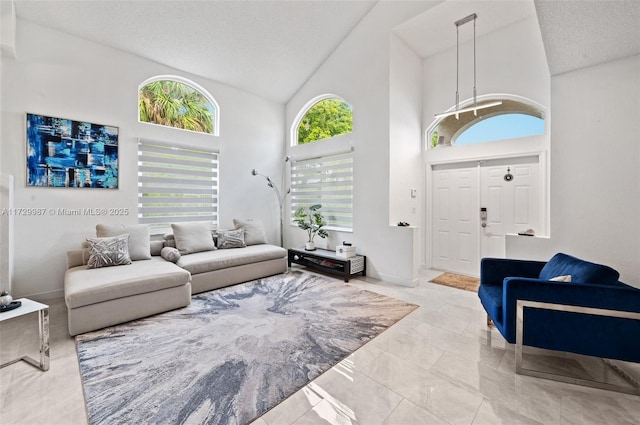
x,y
475,106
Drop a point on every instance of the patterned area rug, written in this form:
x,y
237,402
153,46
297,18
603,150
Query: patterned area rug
x,y
231,355
459,281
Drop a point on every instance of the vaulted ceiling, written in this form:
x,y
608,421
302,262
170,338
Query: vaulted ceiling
x,y
271,48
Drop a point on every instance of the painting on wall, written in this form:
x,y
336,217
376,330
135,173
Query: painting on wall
x,y
67,153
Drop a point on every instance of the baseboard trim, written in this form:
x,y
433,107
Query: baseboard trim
x,y
45,296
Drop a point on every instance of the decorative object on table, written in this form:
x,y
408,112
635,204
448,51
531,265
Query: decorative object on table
x,y
11,306
528,232
346,250
403,224
233,374
281,197
310,220
66,153
5,298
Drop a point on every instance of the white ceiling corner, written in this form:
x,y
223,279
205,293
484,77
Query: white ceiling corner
x,y
579,33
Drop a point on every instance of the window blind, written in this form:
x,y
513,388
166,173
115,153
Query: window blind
x,y
326,180
176,183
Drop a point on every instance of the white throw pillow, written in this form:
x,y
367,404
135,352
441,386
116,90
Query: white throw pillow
x,y
193,237
139,238
254,233
565,278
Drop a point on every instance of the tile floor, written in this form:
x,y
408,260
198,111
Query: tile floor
x,y
439,365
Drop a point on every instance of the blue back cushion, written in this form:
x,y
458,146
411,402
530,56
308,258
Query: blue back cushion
x,y
581,271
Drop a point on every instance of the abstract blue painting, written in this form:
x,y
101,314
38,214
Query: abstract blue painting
x,y
67,153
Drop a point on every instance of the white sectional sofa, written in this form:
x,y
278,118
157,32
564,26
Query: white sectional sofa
x,y
159,277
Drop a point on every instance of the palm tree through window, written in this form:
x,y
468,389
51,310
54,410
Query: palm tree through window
x,y
176,104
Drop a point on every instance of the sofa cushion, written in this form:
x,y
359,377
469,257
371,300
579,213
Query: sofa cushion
x,y
581,271
254,233
203,262
193,237
139,242
107,252
83,286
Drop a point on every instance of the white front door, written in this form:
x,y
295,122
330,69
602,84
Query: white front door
x,y
509,190
459,191
455,218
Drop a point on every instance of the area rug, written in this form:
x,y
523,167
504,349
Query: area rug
x,y
459,281
231,355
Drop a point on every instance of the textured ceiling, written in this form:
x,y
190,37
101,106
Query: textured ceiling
x,y
269,48
582,33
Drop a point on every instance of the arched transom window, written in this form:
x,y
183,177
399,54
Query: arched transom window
x,y
179,103
323,117
512,119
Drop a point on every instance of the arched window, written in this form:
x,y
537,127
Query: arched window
x,y
511,120
323,117
177,102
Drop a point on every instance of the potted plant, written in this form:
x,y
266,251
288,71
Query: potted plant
x,y
311,220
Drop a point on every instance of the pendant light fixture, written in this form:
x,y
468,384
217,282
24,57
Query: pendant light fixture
x,y
475,106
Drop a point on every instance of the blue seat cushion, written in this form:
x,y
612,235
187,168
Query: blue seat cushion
x,y
581,271
491,298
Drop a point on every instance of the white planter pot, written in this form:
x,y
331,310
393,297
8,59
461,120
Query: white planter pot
x,y
6,299
309,246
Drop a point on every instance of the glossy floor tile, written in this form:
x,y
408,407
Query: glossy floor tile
x,y
439,365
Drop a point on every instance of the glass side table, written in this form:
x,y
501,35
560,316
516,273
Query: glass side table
x,y
30,306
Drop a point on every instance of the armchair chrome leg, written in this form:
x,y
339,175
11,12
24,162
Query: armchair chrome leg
x,y
489,321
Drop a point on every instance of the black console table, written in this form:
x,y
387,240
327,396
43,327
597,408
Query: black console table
x,y
327,261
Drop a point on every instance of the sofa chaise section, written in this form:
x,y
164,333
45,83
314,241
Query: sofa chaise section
x,y
97,298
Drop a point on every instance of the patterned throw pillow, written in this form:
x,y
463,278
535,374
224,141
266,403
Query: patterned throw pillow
x,y
106,252
231,239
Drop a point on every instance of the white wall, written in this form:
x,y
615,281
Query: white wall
x,y
359,71
59,75
595,169
405,134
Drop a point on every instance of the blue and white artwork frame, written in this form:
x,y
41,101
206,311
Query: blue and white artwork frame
x,y
67,153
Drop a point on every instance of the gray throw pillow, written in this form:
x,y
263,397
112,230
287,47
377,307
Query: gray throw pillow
x,y
110,251
231,239
139,238
170,254
193,237
254,233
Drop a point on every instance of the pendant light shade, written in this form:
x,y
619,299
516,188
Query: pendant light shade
x,y
457,111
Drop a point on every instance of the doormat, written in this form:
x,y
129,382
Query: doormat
x,y
459,281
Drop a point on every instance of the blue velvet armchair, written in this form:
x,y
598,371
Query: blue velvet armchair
x,y
503,282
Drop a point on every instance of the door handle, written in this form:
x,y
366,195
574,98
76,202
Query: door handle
x,y
483,217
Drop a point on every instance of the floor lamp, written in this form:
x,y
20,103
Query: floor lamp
x,y
281,197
